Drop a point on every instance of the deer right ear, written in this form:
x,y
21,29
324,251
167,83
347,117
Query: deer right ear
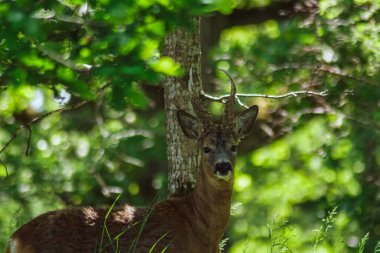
x,y
190,125
246,120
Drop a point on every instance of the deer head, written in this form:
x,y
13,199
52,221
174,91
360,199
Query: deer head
x,y
218,139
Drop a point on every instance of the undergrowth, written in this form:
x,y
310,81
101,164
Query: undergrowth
x,y
280,236
323,231
114,241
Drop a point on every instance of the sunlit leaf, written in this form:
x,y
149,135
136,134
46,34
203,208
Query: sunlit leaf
x,y
44,14
167,66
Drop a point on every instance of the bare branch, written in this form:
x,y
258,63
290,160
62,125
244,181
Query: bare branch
x,y
80,21
29,140
331,111
241,103
28,126
80,67
13,137
341,73
313,76
222,99
335,71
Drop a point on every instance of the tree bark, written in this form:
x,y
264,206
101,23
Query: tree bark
x,y
184,47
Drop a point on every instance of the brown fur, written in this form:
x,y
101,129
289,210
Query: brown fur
x,y
194,223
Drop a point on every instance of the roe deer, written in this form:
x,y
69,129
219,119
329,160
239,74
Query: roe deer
x,y
191,224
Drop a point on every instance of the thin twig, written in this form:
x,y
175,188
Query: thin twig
x,y
324,69
331,111
14,135
28,127
66,62
29,140
222,99
43,116
338,72
5,166
80,21
241,103
313,76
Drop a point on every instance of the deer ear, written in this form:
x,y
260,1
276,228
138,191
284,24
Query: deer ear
x,y
189,124
246,120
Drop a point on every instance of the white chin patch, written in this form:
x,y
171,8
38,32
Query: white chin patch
x,y
225,177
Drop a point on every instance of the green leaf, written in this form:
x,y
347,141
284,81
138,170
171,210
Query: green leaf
x,y
118,95
44,14
81,88
166,65
136,97
66,74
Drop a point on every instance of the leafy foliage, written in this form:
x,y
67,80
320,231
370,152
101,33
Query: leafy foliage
x,y
80,46
314,153
330,153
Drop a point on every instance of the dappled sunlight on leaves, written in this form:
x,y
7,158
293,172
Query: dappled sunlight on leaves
x,y
306,156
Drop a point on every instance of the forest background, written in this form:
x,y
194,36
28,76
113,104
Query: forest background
x,y
307,179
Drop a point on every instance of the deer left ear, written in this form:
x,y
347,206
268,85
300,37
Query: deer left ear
x,y
189,124
246,120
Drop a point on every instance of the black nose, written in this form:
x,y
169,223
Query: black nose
x,y
223,168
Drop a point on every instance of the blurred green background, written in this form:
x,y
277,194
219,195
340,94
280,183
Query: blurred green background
x,y
307,179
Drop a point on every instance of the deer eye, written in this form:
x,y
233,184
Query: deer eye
x,y
206,150
233,148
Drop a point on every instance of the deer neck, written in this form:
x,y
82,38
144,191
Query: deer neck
x,y
211,202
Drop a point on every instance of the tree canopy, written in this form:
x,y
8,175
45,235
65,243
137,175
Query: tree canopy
x,y
82,118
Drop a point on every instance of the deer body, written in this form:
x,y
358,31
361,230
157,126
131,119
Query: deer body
x,y
191,224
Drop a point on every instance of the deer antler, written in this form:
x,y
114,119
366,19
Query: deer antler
x,y
229,117
199,105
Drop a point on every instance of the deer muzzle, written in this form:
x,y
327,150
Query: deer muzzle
x,y
223,170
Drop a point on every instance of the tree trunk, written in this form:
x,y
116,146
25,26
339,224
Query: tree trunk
x,y
184,47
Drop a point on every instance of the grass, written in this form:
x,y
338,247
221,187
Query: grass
x,y
279,235
377,247
223,243
154,245
105,229
136,240
362,243
281,238
134,245
322,232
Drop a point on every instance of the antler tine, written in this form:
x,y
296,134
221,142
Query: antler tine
x,y
199,104
228,110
